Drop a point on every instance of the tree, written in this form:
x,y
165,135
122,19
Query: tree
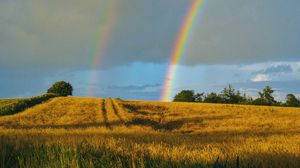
x,y
246,99
213,98
292,101
61,88
185,96
230,96
266,97
199,97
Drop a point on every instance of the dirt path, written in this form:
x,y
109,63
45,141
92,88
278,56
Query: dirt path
x,y
116,112
104,114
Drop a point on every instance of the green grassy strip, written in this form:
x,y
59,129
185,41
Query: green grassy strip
x,y
22,104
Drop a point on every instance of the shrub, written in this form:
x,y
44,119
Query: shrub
x,y
61,88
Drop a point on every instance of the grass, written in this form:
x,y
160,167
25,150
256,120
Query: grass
x,y
13,106
91,132
5,102
82,155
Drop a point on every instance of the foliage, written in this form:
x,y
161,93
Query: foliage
x,y
213,98
21,104
292,101
266,98
5,102
231,96
199,97
185,96
61,88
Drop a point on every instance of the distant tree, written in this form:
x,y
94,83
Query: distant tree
x,y
213,98
266,97
259,101
292,101
230,96
246,99
185,96
61,88
199,97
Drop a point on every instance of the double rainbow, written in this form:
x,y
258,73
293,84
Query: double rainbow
x,y
105,32
180,46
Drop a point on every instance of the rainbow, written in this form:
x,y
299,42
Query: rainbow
x,y
103,37
180,46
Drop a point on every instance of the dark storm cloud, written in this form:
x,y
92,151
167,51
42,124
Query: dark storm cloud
x,y
51,35
246,32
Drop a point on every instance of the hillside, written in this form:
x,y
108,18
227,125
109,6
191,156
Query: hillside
x,y
7,102
183,134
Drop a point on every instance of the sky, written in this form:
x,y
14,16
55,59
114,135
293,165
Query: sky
x,y
122,48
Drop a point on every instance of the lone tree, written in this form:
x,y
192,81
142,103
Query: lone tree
x,y
61,88
185,96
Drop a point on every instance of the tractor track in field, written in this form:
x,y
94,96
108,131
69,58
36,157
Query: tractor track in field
x,y
104,115
116,112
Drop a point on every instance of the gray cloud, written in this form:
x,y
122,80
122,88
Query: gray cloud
x,y
246,32
20,84
277,69
48,34
290,86
141,92
51,35
61,34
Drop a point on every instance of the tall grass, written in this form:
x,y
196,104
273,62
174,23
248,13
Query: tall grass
x,y
85,155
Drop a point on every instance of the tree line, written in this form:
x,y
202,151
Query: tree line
x,y
231,96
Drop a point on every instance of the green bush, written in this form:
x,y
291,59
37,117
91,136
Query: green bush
x,y
61,88
23,104
185,96
213,98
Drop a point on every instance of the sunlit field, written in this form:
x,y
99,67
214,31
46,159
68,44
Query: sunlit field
x,y
94,132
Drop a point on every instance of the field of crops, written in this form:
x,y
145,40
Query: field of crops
x,y
94,132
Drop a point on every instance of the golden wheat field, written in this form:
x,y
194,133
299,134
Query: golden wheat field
x,y
253,136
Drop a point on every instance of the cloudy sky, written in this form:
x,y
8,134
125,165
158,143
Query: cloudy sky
x,y
121,48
